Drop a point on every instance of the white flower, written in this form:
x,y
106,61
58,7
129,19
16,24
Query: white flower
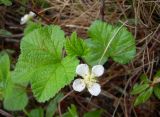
x,y
27,17
89,79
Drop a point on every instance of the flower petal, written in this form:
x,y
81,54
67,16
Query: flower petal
x,y
24,19
95,89
32,14
97,70
78,85
82,70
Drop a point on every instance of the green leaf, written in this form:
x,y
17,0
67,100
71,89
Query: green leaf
x,y
15,97
11,94
109,41
76,46
139,88
6,2
157,73
96,113
31,26
38,112
72,112
93,57
1,86
39,49
143,97
156,90
4,32
144,78
41,62
1,79
156,78
4,65
47,82
4,73
52,107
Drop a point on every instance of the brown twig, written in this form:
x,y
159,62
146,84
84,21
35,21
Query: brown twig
x,y
4,113
102,9
59,104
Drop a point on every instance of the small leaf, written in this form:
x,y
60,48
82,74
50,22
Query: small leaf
x,y
52,107
15,97
6,2
96,113
38,112
4,32
139,88
157,74
120,43
72,112
143,97
156,90
76,46
144,78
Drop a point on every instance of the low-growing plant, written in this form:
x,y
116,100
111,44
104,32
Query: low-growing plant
x,y
146,88
49,61
72,112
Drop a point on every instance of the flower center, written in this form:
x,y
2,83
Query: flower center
x,y
89,80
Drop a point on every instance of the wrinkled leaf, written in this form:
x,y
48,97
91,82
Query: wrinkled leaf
x,y
76,46
121,49
41,62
